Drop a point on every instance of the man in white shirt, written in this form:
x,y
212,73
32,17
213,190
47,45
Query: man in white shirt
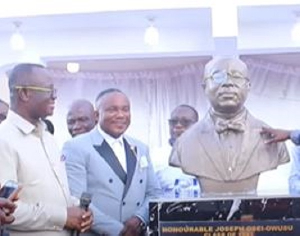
x,y
182,117
30,156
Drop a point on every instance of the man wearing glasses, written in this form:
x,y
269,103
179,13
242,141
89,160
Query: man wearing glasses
x,y
225,150
30,156
182,117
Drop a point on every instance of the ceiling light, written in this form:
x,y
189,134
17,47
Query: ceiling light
x,y
17,42
151,36
73,67
224,14
295,32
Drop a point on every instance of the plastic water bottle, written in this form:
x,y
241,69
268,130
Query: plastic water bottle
x,y
195,189
177,190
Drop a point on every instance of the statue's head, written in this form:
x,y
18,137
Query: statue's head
x,y
226,84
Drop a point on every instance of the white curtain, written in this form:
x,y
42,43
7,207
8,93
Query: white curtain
x,y
274,98
153,94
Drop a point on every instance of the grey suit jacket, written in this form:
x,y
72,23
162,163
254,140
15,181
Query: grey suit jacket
x,y
93,167
199,152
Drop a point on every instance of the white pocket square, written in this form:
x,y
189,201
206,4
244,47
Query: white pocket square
x,y
143,162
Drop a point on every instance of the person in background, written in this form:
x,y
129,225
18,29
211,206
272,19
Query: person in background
x,y
182,117
225,150
30,156
3,110
7,208
282,135
115,168
81,117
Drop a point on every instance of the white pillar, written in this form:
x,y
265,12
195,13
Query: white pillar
x,y
225,27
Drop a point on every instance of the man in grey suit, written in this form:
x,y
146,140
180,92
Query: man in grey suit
x,y
113,167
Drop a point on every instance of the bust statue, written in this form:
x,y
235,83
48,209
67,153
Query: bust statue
x,y
225,149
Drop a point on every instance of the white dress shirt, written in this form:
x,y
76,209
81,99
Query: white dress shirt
x,y
167,175
30,156
117,145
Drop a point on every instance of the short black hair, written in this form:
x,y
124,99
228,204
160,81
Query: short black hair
x,y
189,107
19,72
104,92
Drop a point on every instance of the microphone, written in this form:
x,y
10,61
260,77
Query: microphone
x,y
85,201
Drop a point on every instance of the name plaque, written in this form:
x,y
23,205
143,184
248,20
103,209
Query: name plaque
x,y
237,216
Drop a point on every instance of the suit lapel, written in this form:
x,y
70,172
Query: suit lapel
x,y
249,145
210,142
209,139
131,164
108,155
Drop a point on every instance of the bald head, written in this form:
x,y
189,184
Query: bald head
x,y
22,75
226,85
225,64
81,117
32,92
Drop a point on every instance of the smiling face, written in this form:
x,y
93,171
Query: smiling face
x,y
226,84
81,117
42,94
114,113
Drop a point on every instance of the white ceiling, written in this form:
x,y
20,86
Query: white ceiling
x,y
185,17
131,64
106,40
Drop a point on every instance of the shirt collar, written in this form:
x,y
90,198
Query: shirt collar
x,y
109,139
25,126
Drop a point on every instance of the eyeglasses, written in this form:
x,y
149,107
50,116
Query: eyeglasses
x,y
183,122
52,91
221,77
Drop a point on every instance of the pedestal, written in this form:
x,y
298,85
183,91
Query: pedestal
x,y
238,216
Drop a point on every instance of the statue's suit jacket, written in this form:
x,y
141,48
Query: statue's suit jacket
x,y
93,167
199,152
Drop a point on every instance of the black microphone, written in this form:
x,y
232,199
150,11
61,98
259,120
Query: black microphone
x,y
85,201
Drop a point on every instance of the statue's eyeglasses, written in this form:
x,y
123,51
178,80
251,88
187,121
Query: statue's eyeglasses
x,y
221,77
